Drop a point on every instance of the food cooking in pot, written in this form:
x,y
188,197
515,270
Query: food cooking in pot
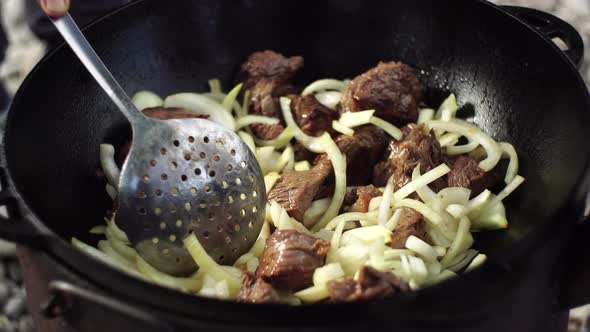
x,y
370,193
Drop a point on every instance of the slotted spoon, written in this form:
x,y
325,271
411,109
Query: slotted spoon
x,y
181,176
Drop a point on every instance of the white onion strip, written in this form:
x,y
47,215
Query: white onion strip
x,y
342,129
339,164
425,114
493,150
108,164
421,248
462,149
252,119
309,142
421,181
283,139
230,99
196,103
351,216
392,130
330,99
385,203
324,84
425,193
517,181
508,151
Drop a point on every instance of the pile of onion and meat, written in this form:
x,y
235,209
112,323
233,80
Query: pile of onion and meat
x,y
370,192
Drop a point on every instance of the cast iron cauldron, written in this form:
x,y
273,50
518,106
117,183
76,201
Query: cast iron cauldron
x,y
498,61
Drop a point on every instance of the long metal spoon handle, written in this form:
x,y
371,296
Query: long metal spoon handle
x,y
78,43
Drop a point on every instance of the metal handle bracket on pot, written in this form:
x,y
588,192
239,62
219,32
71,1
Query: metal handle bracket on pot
x,y
78,306
552,27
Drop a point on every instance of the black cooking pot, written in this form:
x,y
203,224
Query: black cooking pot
x,y
499,62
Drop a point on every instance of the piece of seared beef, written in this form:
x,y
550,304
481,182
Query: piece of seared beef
x,y
392,89
467,174
160,113
358,198
371,284
290,258
410,223
267,75
269,65
362,150
256,290
295,191
311,116
401,157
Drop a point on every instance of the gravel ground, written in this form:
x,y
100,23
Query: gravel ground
x,y
24,52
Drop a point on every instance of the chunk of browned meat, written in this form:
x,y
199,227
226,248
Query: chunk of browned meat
x,y
269,65
362,151
295,191
358,198
371,284
415,147
410,223
391,89
267,76
256,290
290,258
163,113
311,116
467,174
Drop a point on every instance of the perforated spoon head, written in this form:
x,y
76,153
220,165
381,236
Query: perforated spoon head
x,y
189,176
181,177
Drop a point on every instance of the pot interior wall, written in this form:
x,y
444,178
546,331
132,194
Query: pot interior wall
x,y
516,87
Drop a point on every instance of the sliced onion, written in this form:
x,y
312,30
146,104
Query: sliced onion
x,y
508,151
463,241
448,108
342,129
283,139
215,85
351,216
425,193
315,211
449,139
248,139
108,164
493,150
339,164
425,115
476,262
230,99
252,119
146,99
355,119
302,165
421,248
323,85
385,205
199,104
462,149
309,142
330,99
421,181
209,266
517,181
185,284
392,130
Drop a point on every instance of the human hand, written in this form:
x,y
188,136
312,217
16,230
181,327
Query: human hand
x,y
55,8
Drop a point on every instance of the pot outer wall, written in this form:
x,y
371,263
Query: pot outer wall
x,y
530,306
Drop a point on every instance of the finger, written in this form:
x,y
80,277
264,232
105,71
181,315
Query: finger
x,y
55,8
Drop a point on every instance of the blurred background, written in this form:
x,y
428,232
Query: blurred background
x,y
26,36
